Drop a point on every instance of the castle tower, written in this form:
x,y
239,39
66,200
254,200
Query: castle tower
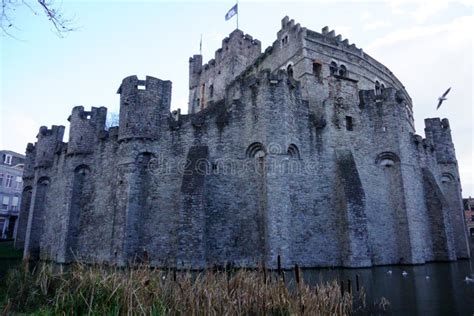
x,y
84,129
207,83
47,145
144,104
438,134
28,182
46,148
195,68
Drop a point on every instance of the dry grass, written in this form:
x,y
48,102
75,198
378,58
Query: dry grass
x,y
99,290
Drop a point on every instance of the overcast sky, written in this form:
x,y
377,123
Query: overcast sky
x,y
427,45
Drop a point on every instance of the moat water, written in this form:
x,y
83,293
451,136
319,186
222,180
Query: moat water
x,y
430,289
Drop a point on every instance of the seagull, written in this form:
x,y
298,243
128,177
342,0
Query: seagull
x,y
469,280
389,272
427,277
404,273
442,98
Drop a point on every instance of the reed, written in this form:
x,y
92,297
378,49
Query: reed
x,y
99,290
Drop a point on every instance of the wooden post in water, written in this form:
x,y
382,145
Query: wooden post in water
x,y
342,288
279,265
349,289
357,283
264,273
297,274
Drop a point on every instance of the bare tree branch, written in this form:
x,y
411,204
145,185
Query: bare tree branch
x,y
52,12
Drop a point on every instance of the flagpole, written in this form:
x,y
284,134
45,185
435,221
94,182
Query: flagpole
x,y
237,14
200,46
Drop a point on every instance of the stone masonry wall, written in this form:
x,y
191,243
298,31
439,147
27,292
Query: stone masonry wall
x,y
285,160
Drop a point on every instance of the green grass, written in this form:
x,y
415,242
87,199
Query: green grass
x,y
8,251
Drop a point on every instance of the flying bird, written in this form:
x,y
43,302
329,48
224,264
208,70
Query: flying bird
x,y
442,98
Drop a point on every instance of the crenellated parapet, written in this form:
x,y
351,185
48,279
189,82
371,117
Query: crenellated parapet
x,y
143,106
438,134
29,168
84,129
47,145
208,82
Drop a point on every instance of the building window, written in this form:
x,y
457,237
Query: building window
x,y
211,90
9,181
19,182
317,70
387,159
333,68
342,71
289,69
349,123
5,202
1,179
7,159
15,201
377,87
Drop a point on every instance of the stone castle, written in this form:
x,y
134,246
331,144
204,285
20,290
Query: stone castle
x,y
305,153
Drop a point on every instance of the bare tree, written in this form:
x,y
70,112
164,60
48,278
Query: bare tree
x,y
53,12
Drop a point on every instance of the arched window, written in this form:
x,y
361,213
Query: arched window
x,y
255,150
333,68
289,69
342,71
387,159
447,178
377,87
293,151
211,90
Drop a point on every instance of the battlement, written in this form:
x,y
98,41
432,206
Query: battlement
x,y
84,129
237,43
288,25
369,97
151,85
438,134
29,168
143,106
208,82
47,145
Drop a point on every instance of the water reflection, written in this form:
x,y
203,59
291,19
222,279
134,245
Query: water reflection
x,y
431,289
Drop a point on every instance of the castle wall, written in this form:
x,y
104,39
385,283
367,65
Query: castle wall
x,y
317,169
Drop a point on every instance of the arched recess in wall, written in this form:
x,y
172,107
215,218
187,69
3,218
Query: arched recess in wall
x,y
255,150
138,208
289,70
80,206
37,223
392,206
377,87
23,216
333,68
293,151
342,71
438,217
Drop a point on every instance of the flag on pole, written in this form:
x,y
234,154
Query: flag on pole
x,y
231,13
